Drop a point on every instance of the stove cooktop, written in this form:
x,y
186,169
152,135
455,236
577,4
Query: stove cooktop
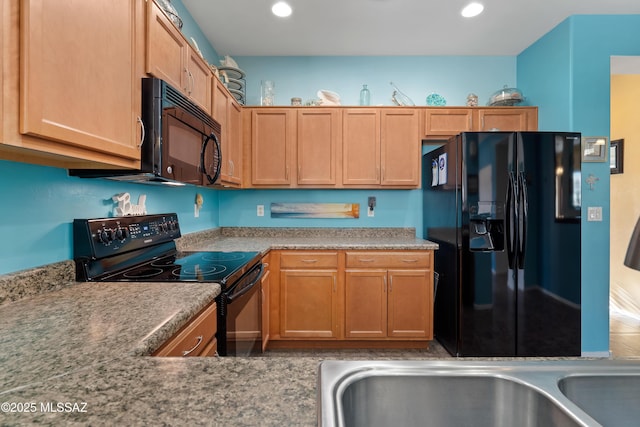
x,y
218,267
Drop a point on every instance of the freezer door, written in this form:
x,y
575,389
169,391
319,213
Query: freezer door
x,y
548,242
487,283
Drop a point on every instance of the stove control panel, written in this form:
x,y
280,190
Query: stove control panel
x,y
102,237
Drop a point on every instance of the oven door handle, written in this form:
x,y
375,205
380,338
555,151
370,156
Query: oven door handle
x,y
234,293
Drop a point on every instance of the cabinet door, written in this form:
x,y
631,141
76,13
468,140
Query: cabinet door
x,y
318,138
167,49
199,79
221,100
265,282
446,122
400,144
308,304
503,119
366,304
79,83
410,303
272,138
234,150
361,147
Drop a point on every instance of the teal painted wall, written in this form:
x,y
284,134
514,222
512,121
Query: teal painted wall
x,y
567,73
39,204
453,77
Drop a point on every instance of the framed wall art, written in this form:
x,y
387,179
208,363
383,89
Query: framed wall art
x,y
616,156
594,148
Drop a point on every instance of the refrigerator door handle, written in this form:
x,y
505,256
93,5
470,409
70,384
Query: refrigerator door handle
x,y
523,207
511,221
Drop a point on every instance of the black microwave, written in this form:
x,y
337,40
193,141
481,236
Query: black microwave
x,y
181,141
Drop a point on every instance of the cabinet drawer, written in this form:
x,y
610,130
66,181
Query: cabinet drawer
x,y
194,338
389,259
309,260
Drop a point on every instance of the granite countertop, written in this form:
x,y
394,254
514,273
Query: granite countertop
x,y
76,353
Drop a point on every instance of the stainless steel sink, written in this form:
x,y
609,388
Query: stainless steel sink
x,y
462,393
609,399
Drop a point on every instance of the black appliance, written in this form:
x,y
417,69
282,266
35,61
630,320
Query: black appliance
x,y
504,208
143,249
181,142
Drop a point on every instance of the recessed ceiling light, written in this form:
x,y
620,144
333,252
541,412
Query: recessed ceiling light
x,y
472,9
281,9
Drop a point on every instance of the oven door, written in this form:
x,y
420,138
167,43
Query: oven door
x,y
240,322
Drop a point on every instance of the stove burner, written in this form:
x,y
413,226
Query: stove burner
x,y
197,271
164,262
143,273
223,256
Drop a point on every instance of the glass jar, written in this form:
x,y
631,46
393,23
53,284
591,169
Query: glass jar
x,y
365,96
267,92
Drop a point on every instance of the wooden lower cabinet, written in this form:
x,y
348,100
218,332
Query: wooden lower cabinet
x,y
196,338
365,304
383,303
265,283
352,297
309,295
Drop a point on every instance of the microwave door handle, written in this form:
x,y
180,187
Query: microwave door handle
x,y
216,174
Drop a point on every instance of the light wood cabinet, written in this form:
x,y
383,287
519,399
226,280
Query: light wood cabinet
x,y
389,295
71,87
361,147
381,147
400,146
309,295
447,122
271,138
294,147
265,283
506,119
228,113
319,136
171,58
196,338
443,123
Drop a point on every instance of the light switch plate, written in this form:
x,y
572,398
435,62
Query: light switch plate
x,y
594,213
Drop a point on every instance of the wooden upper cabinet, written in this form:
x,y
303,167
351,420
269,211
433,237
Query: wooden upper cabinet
x,y
171,58
443,123
361,147
228,113
319,136
79,79
272,135
507,119
447,122
400,146
199,80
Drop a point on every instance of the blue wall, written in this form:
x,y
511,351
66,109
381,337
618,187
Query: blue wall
x,y
39,204
453,77
567,74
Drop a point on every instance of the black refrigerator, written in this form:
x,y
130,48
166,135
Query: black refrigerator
x,y
504,208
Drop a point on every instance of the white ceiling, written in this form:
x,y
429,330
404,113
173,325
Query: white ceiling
x,y
386,27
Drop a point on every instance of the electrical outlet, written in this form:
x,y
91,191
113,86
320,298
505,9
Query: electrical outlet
x,y
370,212
260,210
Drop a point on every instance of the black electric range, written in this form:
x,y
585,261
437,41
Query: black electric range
x,y
143,249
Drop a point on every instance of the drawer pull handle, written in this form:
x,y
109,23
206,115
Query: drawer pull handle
x,y
188,352
409,260
366,260
309,260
